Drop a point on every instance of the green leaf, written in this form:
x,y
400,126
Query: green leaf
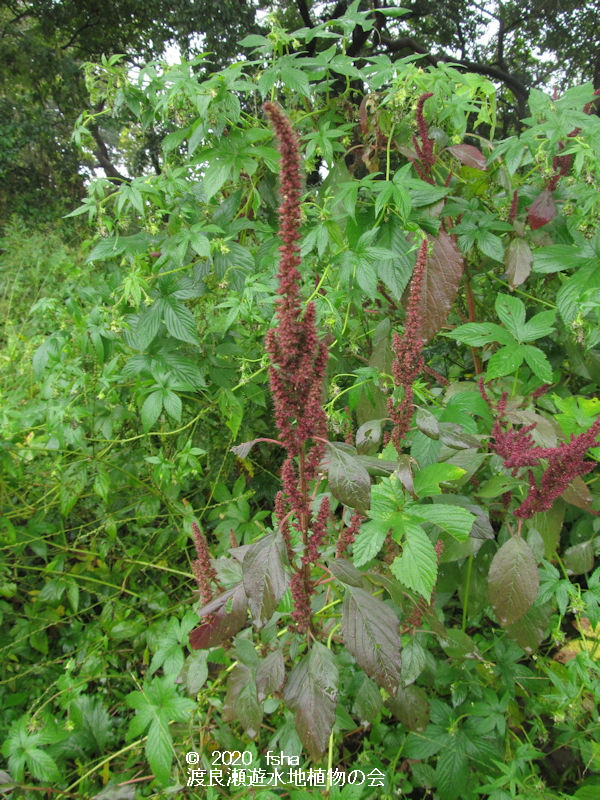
x,y
511,312
172,405
541,324
311,691
151,409
513,580
180,321
417,566
147,326
427,480
556,258
452,770
194,672
369,541
156,705
504,362
414,660
455,520
348,479
424,194
159,752
476,334
537,362
370,632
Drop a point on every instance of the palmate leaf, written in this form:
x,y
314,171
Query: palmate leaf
x,y
311,691
157,704
513,580
370,632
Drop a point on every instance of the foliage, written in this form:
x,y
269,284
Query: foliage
x,y
381,588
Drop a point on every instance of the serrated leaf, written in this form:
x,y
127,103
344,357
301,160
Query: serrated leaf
x,y
518,260
477,334
541,324
411,706
469,155
537,362
241,702
504,362
264,576
414,660
151,408
348,479
557,258
147,326
451,771
159,751
311,691
172,405
180,322
511,312
513,581
417,566
194,672
455,520
369,541
370,632
457,644
440,284
270,674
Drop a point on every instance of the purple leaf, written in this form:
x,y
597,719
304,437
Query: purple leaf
x,y
542,210
264,576
469,155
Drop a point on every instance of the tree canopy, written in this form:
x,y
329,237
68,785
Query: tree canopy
x,y
43,44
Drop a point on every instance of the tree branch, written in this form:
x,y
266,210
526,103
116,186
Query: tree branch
x,y
304,13
101,153
519,90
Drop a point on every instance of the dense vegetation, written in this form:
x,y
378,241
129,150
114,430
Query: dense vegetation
x,y
331,495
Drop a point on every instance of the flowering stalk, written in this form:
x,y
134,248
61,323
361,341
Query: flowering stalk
x,y
202,568
518,450
298,362
408,362
424,147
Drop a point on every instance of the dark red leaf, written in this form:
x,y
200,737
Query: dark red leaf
x,y
270,674
440,284
223,624
542,210
241,703
469,155
311,691
264,576
370,632
518,260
